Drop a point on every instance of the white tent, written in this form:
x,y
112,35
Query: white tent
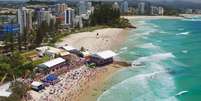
x,y
53,62
106,54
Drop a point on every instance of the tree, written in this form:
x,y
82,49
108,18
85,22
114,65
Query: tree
x,y
31,38
106,15
14,65
19,90
41,33
9,42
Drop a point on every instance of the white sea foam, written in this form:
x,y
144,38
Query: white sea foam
x,y
155,26
155,58
149,31
181,93
183,33
138,88
124,48
159,41
163,32
191,19
184,51
144,37
148,45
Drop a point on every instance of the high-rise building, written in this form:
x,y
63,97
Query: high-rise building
x,y
82,7
141,8
60,9
160,10
69,17
154,10
89,5
189,11
157,10
115,5
78,21
24,19
124,7
43,15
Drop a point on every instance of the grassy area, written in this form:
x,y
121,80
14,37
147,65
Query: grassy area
x,y
38,61
41,60
29,53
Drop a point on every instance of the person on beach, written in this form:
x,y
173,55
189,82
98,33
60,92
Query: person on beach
x,y
97,35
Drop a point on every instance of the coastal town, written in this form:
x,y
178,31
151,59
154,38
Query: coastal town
x,y
60,51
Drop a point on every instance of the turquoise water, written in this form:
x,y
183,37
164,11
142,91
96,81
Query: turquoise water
x,y
169,52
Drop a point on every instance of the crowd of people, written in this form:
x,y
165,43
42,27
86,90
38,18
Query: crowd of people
x,y
69,88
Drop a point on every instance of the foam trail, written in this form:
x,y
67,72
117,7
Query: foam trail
x,y
183,33
181,93
148,45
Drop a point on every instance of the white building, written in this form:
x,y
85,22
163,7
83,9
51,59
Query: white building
x,y
124,7
141,8
116,5
60,9
44,15
69,17
160,10
47,50
52,66
157,10
89,5
78,21
82,7
154,10
24,19
189,11
103,58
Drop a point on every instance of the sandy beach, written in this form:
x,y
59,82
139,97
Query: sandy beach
x,y
152,17
107,39
85,84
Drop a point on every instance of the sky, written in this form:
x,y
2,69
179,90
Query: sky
x,y
194,1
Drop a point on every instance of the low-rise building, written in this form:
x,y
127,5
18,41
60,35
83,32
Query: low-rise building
x,y
103,58
69,48
50,51
52,66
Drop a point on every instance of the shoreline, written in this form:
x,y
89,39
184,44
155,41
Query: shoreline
x,y
152,17
95,87
88,84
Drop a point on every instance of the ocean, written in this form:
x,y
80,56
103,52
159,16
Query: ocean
x,y
168,57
